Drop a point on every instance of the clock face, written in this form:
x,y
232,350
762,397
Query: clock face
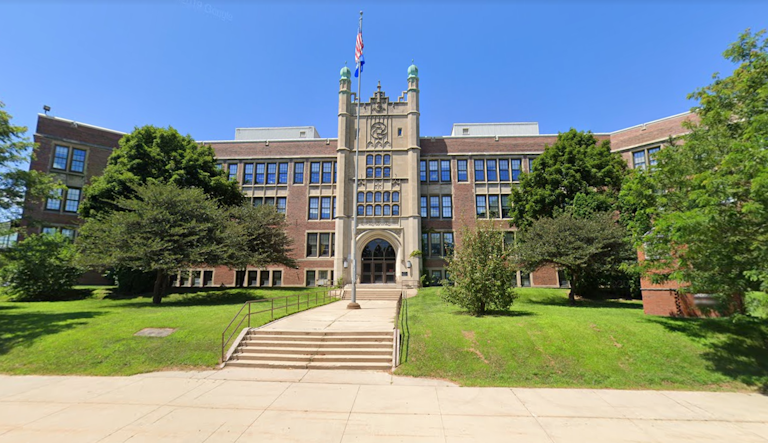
x,y
378,130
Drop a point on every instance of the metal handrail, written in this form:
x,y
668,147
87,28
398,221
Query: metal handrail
x,y
405,330
224,342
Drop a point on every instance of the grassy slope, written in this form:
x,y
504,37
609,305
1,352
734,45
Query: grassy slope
x,y
543,342
95,336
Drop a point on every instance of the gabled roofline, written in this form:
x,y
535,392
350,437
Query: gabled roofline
x,y
66,120
651,122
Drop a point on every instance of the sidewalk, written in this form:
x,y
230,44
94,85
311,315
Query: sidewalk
x,y
253,405
374,315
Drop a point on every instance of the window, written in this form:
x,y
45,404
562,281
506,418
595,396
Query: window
x,y
207,278
395,209
423,170
311,278
387,159
377,197
248,174
72,202
78,160
369,196
445,170
437,244
516,168
325,208
259,173
530,163
387,211
399,132
395,197
68,232
525,279
387,172
54,204
60,156
280,204
314,205
334,207
434,206
277,278
436,275
378,173
369,159
447,244
433,171
197,277
369,210
493,206
360,210
386,196
504,170
464,131
264,278
447,207
324,250
298,173
253,278
461,167
425,243
638,159
368,172
652,155
377,210
282,173
327,172
424,212
505,206
271,173
491,164
480,206
509,239
378,159
479,170
314,172
232,174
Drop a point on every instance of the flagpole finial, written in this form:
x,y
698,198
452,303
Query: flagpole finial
x,y
361,13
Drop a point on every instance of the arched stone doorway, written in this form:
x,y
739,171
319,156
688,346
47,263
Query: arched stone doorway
x,y
379,260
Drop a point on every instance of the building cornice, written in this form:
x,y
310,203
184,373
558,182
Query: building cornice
x,y
65,120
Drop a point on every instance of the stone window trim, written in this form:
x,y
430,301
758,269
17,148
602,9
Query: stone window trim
x,y
193,277
69,159
497,169
254,278
493,206
316,277
644,158
69,203
435,170
436,206
320,244
321,208
437,244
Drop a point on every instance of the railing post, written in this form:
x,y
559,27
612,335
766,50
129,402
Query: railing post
x,y
272,310
249,315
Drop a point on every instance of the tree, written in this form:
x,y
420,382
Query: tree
x,y
40,267
582,246
575,164
16,184
709,217
158,155
256,237
481,272
162,228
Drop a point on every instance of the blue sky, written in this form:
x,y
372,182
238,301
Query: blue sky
x,y
206,67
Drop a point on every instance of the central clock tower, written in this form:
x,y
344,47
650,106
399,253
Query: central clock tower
x,y
387,198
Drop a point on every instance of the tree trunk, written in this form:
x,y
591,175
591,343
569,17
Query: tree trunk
x,y
572,293
738,303
157,295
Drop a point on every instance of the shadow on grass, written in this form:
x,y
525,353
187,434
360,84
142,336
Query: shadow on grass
x,y
68,295
736,349
584,303
23,328
200,298
497,313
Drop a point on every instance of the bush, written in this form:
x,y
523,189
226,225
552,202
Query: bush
x,y
41,267
481,270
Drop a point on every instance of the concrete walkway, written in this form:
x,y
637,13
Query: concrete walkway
x,y
254,405
375,315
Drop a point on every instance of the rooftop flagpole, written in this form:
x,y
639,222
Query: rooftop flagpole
x,y
359,74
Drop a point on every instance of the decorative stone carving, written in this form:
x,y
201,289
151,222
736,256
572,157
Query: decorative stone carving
x,y
378,132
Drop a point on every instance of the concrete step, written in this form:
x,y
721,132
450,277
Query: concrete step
x,y
311,365
320,339
314,344
328,351
320,333
315,358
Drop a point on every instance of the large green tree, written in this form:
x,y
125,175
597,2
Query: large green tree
x,y
482,273
158,155
583,246
160,228
576,164
707,221
16,182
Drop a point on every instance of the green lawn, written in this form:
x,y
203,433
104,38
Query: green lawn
x,y
541,341
95,336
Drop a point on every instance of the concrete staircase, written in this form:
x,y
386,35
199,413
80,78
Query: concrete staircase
x,y
314,350
364,293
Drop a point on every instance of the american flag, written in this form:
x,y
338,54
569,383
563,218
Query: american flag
x,y
359,59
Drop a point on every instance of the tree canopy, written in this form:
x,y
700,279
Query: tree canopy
x,y
582,246
16,184
577,164
158,155
706,222
482,274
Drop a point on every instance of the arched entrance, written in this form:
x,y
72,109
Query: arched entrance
x,y
379,260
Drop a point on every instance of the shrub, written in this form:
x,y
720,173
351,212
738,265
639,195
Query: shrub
x,y
41,267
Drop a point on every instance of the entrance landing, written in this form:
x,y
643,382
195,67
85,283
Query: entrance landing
x,y
375,315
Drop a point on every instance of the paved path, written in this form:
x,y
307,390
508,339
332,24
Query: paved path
x,y
253,405
375,315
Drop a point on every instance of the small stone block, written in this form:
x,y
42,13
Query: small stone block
x,y
155,332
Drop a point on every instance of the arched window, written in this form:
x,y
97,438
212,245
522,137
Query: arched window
x,y
386,159
378,159
360,210
377,197
369,172
369,196
386,197
378,172
368,159
395,209
396,197
360,197
386,172
386,210
369,210
377,210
